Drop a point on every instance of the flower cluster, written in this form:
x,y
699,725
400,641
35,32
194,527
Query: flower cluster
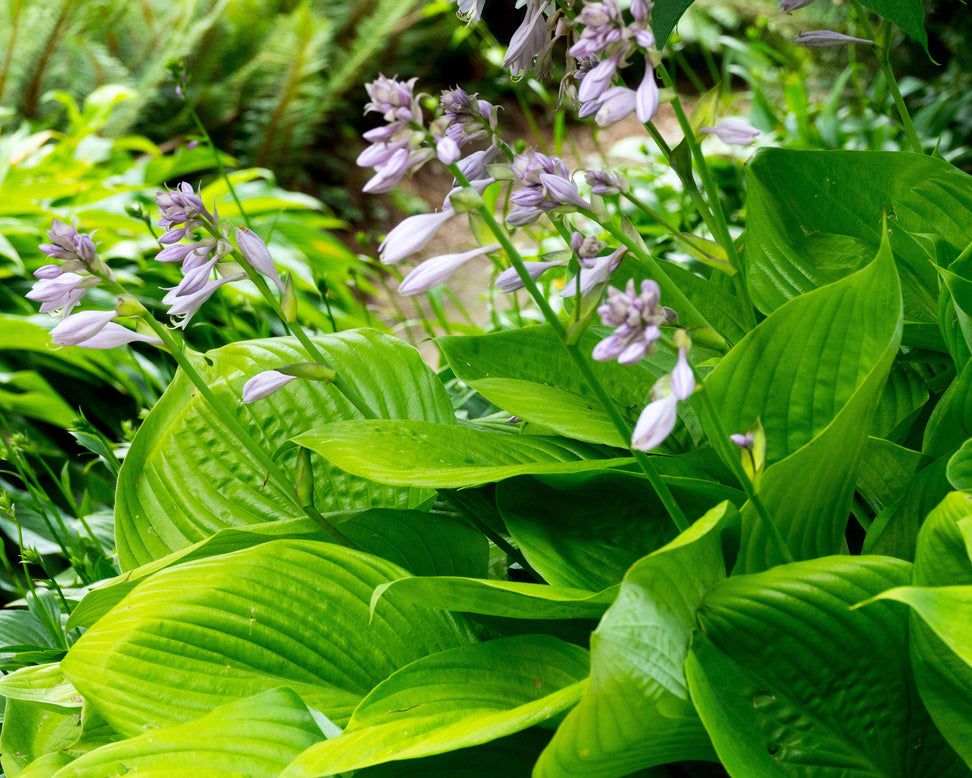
x,y
545,185
606,41
594,269
396,147
637,319
60,287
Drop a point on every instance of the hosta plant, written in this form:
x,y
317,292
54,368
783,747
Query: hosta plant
x,y
716,524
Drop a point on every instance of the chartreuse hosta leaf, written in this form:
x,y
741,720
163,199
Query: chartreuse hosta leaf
x,y
635,712
511,599
185,477
425,454
422,543
285,613
43,684
802,234
790,681
528,373
31,730
256,736
812,372
563,529
452,700
943,571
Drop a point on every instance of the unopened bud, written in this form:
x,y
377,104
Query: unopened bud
x,y
304,478
313,371
466,199
127,305
288,303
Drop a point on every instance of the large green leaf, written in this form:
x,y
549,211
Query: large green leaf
x,y
790,681
30,730
635,712
211,631
257,736
421,543
424,454
585,530
43,684
454,699
950,424
812,372
815,216
529,373
185,477
943,679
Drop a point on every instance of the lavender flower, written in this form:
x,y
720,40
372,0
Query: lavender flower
x,y
509,280
734,132
594,271
61,293
182,206
470,11
264,384
744,442
658,418
79,327
113,335
827,38
411,234
637,319
466,116
603,182
434,271
546,185
255,251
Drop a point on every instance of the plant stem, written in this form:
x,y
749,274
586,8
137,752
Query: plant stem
x,y
882,45
724,447
219,163
719,226
661,488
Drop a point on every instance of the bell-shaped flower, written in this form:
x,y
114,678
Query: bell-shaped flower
x,y
827,38
734,132
509,280
255,251
647,96
682,379
114,335
616,103
264,384
434,271
447,150
655,423
598,78
78,327
590,276
411,234
184,305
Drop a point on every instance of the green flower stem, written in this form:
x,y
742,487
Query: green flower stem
x,y
660,487
721,232
882,46
219,163
726,450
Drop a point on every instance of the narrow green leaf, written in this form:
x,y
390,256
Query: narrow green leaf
x,y
512,599
211,631
425,454
790,681
635,712
454,699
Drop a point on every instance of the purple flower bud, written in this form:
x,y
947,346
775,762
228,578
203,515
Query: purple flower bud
x,y
683,379
520,216
647,96
411,234
827,38
388,175
255,251
264,384
562,191
434,271
733,132
616,103
509,280
378,154
788,6
176,252
590,277
79,327
598,78
655,424
603,182
114,335
447,150
174,235
48,271
743,441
